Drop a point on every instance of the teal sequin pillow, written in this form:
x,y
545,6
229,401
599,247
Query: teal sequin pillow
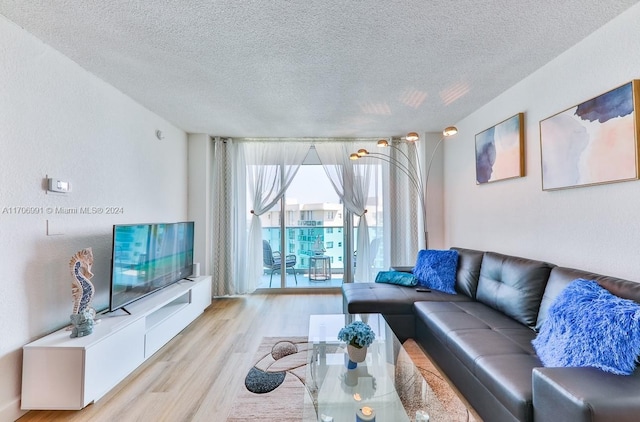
x,y
396,277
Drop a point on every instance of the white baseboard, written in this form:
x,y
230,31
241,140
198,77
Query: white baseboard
x,y
11,411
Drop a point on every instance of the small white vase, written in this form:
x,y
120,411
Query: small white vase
x,y
356,354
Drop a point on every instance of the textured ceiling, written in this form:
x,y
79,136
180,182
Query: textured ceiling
x,y
312,68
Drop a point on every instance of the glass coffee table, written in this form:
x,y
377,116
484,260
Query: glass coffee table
x,y
387,382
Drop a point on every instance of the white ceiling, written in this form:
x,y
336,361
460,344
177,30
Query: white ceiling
x,y
312,68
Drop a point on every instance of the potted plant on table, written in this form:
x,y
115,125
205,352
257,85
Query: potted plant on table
x,y
358,337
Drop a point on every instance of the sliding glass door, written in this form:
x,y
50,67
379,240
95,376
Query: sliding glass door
x,y
312,220
310,238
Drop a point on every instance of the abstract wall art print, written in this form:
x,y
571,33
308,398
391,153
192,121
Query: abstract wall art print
x,y
500,151
592,143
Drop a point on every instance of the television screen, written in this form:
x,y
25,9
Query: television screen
x,y
148,257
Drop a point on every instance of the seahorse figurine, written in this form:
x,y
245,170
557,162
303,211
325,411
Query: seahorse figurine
x,y
82,289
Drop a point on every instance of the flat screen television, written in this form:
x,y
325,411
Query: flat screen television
x,y
148,257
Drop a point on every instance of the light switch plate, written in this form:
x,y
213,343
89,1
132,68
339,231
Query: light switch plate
x,y
57,185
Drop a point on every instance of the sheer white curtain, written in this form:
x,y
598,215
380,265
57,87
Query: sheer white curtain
x,y
352,182
271,166
253,176
402,205
249,178
227,205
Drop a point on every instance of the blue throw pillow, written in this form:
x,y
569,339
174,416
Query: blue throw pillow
x,y
589,326
396,277
437,269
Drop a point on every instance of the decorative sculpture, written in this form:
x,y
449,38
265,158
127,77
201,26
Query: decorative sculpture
x,y
82,323
82,291
318,247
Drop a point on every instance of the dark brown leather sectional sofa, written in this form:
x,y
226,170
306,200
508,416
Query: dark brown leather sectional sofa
x,y
481,338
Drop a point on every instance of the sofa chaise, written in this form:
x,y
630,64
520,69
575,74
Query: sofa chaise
x,y
482,336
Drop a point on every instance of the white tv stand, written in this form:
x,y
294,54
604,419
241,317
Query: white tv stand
x,y
59,372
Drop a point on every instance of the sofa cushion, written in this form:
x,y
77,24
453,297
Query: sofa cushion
x,y
585,394
396,277
436,269
508,378
471,330
445,317
471,345
492,346
469,262
513,285
442,318
388,298
587,326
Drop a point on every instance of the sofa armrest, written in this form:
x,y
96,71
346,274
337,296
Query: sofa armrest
x,y
585,394
402,268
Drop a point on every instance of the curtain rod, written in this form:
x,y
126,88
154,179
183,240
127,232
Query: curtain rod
x,y
311,139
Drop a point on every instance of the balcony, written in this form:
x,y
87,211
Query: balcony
x,y
300,241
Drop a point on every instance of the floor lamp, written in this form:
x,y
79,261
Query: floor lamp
x,y
410,169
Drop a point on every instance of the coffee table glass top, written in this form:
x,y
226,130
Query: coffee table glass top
x,y
387,381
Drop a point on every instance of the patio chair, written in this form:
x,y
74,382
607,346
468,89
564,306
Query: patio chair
x,y
272,261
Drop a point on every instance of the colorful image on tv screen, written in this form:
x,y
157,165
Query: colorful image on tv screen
x,y
148,257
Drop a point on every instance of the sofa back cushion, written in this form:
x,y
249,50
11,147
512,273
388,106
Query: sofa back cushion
x,y
469,262
513,285
560,278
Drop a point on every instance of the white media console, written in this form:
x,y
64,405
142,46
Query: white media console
x,y
59,372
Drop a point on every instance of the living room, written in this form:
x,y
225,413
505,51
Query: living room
x,y
61,121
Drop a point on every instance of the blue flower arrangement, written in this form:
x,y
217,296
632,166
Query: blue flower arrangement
x,y
358,334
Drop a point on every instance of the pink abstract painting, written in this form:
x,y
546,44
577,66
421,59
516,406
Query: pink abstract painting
x,y
592,143
499,151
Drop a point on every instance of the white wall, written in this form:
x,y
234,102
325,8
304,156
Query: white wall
x,y
200,158
594,228
434,194
57,119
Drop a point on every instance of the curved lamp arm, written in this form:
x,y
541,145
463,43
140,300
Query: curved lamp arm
x,y
413,178
411,171
415,168
412,174
447,132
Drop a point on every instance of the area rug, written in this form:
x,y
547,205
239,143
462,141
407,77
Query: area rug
x,y
274,388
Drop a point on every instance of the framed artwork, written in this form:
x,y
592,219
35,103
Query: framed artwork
x,y
500,151
592,143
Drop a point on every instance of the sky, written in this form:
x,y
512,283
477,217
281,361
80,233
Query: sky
x,y
311,185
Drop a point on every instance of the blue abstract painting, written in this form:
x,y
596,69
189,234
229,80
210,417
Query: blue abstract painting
x,y
499,151
592,143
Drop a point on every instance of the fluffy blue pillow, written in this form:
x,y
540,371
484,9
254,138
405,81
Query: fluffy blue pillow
x,y
396,277
589,326
436,269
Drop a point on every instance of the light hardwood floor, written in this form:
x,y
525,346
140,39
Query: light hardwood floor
x,y
197,374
